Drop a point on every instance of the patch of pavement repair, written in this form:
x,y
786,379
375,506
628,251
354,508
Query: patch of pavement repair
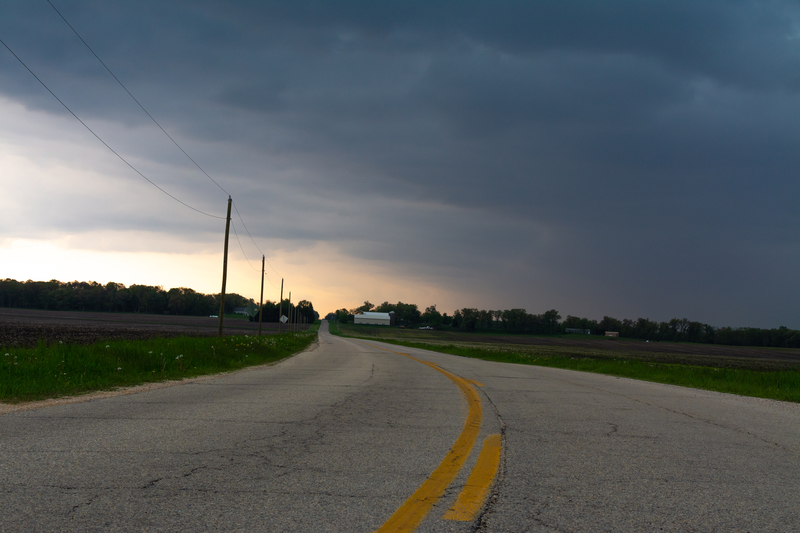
x,y
6,408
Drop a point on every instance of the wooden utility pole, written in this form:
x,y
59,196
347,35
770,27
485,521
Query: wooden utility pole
x,y
261,301
224,269
280,309
289,324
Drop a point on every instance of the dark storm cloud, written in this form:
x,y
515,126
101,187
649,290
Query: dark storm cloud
x,y
641,154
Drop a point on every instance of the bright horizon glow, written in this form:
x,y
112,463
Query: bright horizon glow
x,y
47,260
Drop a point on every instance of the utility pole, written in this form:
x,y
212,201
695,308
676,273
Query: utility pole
x,y
289,324
280,309
261,301
224,269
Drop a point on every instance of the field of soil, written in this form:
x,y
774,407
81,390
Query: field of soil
x,y
26,327
750,357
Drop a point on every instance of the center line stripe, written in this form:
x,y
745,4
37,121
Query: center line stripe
x,y
476,490
409,515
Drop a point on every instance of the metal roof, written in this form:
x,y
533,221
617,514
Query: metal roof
x,y
384,316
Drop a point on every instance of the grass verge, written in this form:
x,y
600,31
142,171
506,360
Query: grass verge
x,y
776,385
66,369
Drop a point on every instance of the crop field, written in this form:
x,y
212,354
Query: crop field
x,y
591,346
49,355
760,372
27,327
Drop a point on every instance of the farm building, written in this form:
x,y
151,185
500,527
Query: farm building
x,y
376,319
579,331
612,334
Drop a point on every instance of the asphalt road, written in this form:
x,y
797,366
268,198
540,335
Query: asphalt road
x,y
339,437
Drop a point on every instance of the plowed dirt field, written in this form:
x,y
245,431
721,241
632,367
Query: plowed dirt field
x,y
26,327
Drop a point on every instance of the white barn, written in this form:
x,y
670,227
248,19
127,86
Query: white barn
x,y
377,319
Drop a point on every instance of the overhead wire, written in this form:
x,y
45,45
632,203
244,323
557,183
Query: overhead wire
x,y
233,225
165,133
254,242
134,98
241,247
101,140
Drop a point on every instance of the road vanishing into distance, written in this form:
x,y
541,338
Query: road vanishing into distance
x,y
361,436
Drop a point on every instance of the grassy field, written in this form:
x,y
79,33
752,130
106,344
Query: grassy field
x,y
68,369
607,358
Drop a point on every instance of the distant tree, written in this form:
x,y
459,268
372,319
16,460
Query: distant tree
x,y
485,319
306,310
645,329
365,308
343,316
515,320
431,316
175,301
386,307
609,324
469,319
446,320
408,313
457,318
550,321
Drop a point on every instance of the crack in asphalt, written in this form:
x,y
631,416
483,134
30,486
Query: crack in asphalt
x,y
482,521
71,512
704,420
150,483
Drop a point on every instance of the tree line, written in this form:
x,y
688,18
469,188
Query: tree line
x,y
405,314
117,298
550,323
272,311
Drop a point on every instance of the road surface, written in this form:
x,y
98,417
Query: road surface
x,y
340,437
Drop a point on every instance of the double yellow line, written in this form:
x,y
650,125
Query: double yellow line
x,y
472,497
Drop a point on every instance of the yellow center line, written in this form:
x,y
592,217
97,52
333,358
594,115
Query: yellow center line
x,y
476,490
409,515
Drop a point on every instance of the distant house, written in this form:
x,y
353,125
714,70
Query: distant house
x,y
376,319
240,310
612,334
578,331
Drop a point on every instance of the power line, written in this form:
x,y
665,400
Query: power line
x,y
159,126
135,100
245,228
165,133
242,248
254,242
245,254
101,140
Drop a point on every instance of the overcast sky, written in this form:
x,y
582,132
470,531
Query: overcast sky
x,y
631,159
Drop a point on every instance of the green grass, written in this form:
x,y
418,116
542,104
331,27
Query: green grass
x,y
774,384
67,369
